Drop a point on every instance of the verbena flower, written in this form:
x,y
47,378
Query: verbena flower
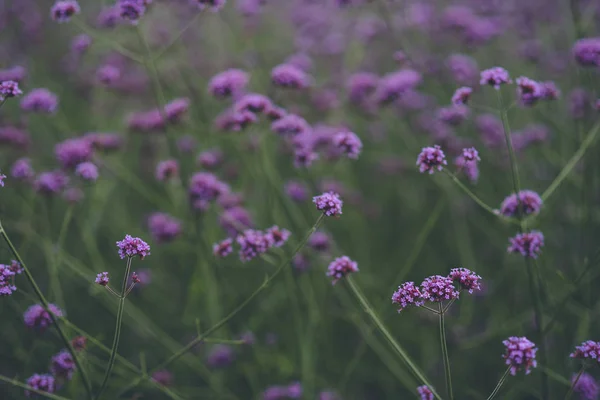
x,y
528,244
407,295
289,76
587,350
349,143
62,365
253,102
133,246
462,95
252,243
495,77
453,115
340,268
135,278
12,136
290,124
167,169
72,152
131,10
213,5
51,182
520,354
360,86
330,203
228,83
392,86
104,141
586,386
294,390
438,288
471,155
108,74
277,236
431,159
79,343
40,100
102,279
87,171
7,275
220,356
9,89
587,52
81,43
62,11
223,248
319,241
463,69
297,191
529,202
529,91
37,318
206,186
425,392
235,219
73,195
163,227
176,109
467,279
44,383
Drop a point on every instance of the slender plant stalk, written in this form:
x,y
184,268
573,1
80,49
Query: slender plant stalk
x,y
55,320
31,389
446,358
403,355
101,38
572,388
499,384
117,336
191,22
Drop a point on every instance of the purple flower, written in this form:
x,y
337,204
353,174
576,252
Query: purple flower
x,y
16,73
319,241
360,86
163,227
438,288
2,178
37,318
274,113
51,182
10,135
44,383
454,114
289,76
210,159
9,89
393,85
467,279
220,356
550,91
104,141
186,144
349,143
425,392
213,5
40,100
206,187
167,169
131,10
520,354
223,248
290,124
529,202
430,159
297,191
108,17
587,350
163,377
461,95
294,390
148,121
235,121
340,268
133,246
586,386
228,83
135,278
73,195
108,74
579,102
87,171
529,244
529,91
102,279
81,43
495,77
330,203
176,109
62,365
79,343
275,393
253,102
407,295
277,237
7,275
235,219
491,130
587,52
252,244
62,11
72,152
463,69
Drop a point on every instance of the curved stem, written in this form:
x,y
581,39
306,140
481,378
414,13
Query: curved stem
x,y
31,389
117,336
403,355
44,302
572,388
446,358
499,385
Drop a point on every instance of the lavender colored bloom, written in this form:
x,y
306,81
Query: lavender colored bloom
x,y
108,74
289,76
253,102
131,10
469,168
394,85
104,141
330,203
81,43
550,91
461,95
167,169
79,343
587,350
349,143
7,275
529,201
62,365
235,121
294,390
438,288
44,383
319,241
163,377
275,113
62,11
220,356
87,171
529,91
9,89
176,109
407,295
186,144
133,246
290,125
36,317
228,83
300,262
109,17
223,248
9,135
73,195
586,386
463,69
454,114
495,77
277,237
206,186
102,279
148,121
467,279
340,268
50,182
16,73
2,178
210,159
297,191
40,100
587,52
72,152
213,5
529,244
360,86
425,392
163,227
520,354
252,244
431,159
471,155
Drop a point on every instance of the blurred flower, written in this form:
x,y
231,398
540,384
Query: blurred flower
x,y
579,103
135,278
587,52
210,159
206,186
393,85
340,268
407,295
104,141
176,109
438,288
300,262
167,169
467,279
330,203
220,356
491,130
470,155
109,17
529,91
79,343
461,95
73,195
587,350
328,395
223,248
277,236
360,86
297,191
228,83
186,144
51,182
290,124
463,69
72,152
520,354
62,365
6,280
81,43
431,159
235,219
108,74
529,244
133,246
40,100
252,244
87,171
294,390
102,279
16,73
319,241
529,202
213,5
44,383
349,143
495,77
131,10
454,114
62,11
425,392
163,377
10,135
586,386
9,89
37,318
253,102
289,76
163,227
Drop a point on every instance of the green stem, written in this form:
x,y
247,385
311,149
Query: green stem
x,y
403,355
31,389
445,357
162,51
44,302
572,388
100,38
117,336
499,385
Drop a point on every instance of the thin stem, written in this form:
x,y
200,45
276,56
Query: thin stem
x,y
514,168
44,302
111,290
403,355
431,309
117,336
100,38
572,388
448,305
499,385
445,357
31,389
177,37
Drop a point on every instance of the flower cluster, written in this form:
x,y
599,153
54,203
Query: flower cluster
x,y
62,11
587,350
330,203
340,268
102,279
9,89
7,276
528,201
461,95
495,77
253,243
163,227
431,159
425,392
586,386
133,246
520,354
43,383
36,317
528,244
